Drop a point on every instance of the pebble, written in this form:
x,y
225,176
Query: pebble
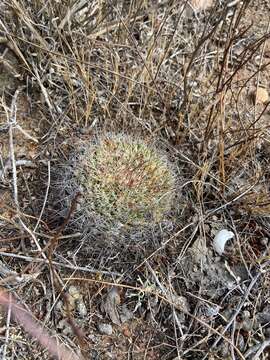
x,y
126,314
264,241
261,97
75,302
105,329
65,327
81,308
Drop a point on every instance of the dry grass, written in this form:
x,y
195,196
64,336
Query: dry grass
x,y
72,71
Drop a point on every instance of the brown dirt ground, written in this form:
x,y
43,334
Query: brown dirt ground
x,y
133,67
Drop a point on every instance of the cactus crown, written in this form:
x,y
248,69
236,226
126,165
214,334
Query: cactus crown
x,y
125,181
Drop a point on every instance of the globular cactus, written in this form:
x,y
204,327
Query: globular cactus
x,y
123,181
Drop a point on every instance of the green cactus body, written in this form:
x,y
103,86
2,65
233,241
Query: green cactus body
x,y
125,181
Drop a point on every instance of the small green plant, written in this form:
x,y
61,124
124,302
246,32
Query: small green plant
x,y
125,181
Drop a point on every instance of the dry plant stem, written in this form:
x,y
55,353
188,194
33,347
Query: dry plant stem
x,y
240,306
198,167
198,343
262,68
91,66
228,45
259,72
71,11
244,61
170,295
53,243
211,212
12,122
239,246
81,336
7,328
75,235
221,123
13,46
142,59
45,197
60,286
56,280
44,91
259,349
171,39
58,264
25,133
221,141
91,73
166,300
203,39
233,341
221,84
174,236
8,166
26,320
22,14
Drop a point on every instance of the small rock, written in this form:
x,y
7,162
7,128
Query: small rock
x,y
264,241
81,308
64,326
74,292
72,297
246,314
180,302
126,314
59,305
199,251
210,311
260,97
110,305
75,302
105,329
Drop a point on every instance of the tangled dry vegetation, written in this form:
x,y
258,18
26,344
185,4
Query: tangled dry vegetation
x,y
191,76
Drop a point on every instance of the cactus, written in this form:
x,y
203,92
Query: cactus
x,y
124,181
